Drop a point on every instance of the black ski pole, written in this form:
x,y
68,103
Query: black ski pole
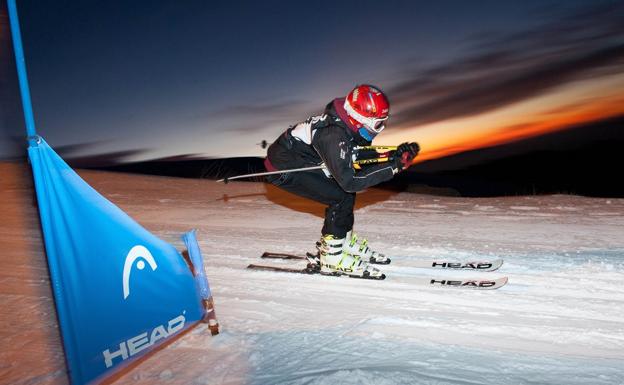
x,y
357,162
226,180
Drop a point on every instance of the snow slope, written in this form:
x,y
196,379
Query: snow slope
x,y
559,320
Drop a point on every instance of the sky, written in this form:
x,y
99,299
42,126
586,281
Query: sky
x,y
139,80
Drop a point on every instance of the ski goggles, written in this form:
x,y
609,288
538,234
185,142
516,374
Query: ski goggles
x,y
375,125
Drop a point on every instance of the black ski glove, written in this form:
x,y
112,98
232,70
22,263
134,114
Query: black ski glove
x,y
404,155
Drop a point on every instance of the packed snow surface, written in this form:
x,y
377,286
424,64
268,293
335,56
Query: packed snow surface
x,y
559,320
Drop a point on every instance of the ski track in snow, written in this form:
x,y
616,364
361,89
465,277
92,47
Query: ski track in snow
x,y
559,320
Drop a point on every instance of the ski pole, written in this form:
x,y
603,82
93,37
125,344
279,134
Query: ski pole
x,y
373,152
356,163
377,148
226,180
362,162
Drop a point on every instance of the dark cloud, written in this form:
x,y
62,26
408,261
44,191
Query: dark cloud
x,y
276,109
71,150
85,154
104,159
180,158
501,70
248,118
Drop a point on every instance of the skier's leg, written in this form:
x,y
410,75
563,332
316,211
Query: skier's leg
x,y
339,214
316,186
338,221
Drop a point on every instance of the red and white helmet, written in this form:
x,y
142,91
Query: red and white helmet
x,y
369,108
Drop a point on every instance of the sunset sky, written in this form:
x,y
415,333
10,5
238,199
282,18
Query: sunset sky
x,y
168,78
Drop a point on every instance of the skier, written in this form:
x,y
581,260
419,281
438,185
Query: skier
x,y
330,139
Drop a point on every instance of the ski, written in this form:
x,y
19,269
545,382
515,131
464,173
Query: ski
x,y
424,264
471,283
310,269
311,257
271,255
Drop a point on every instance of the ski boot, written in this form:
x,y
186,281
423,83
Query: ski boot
x,y
360,248
335,261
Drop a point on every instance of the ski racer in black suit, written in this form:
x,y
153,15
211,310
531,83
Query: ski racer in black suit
x,y
331,139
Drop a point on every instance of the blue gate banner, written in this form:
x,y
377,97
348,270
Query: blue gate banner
x,y
119,290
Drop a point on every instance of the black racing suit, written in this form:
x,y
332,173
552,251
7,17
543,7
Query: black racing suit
x,y
332,144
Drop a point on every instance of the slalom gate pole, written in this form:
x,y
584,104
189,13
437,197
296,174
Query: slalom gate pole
x,y
20,62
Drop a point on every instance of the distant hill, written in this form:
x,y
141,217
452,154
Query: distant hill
x,y
194,168
584,160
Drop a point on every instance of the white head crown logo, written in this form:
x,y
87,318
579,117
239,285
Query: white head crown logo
x,y
136,252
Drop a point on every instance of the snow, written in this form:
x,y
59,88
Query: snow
x,y
559,320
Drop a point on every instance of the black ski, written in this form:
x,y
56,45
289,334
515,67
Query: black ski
x,y
311,256
271,255
311,269
438,264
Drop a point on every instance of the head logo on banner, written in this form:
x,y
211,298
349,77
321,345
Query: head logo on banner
x,y
135,253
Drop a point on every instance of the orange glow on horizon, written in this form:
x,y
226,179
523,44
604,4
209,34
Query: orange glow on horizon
x,y
576,105
531,130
